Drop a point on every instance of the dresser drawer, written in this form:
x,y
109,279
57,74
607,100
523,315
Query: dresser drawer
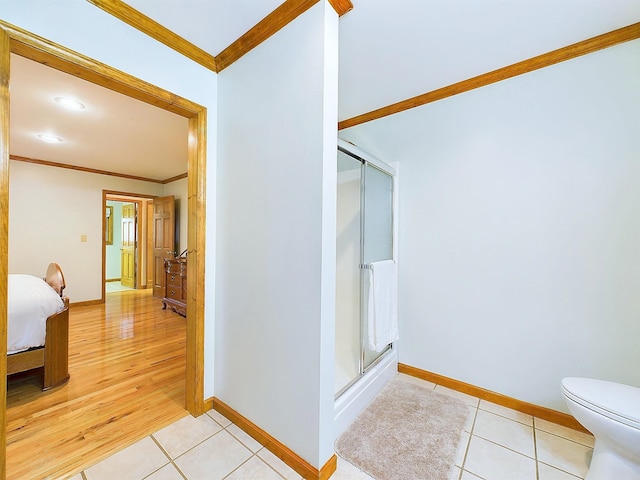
x,y
174,293
174,279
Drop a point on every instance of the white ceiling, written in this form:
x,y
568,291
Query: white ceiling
x,y
389,51
114,132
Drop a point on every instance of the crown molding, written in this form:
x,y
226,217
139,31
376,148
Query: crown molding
x,y
77,168
141,22
265,28
621,35
341,6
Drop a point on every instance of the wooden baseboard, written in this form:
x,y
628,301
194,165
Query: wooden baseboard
x,y
544,413
112,279
284,453
86,303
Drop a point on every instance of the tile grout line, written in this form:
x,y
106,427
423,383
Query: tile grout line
x,y
253,454
466,452
168,456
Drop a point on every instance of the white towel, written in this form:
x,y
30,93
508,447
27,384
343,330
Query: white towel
x,y
382,307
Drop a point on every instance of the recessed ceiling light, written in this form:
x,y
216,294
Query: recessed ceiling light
x,y
70,103
45,137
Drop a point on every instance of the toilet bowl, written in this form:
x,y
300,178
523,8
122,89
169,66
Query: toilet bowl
x,y
611,412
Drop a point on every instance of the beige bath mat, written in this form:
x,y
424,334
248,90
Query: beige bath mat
x,y
408,432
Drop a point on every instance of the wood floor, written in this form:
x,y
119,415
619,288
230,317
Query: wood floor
x,y
127,366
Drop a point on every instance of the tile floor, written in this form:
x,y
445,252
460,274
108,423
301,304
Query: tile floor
x,y
497,444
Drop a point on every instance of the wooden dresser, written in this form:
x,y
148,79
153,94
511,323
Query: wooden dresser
x,y
175,295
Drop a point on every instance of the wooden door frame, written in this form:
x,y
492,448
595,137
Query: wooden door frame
x,y
28,45
140,233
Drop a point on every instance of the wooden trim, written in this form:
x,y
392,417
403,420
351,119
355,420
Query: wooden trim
x,y
139,21
544,413
625,34
56,56
328,468
173,179
87,303
341,6
268,26
280,450
5,61
78,168
196,227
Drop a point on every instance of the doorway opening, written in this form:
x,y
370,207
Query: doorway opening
x,y
22,43
128,240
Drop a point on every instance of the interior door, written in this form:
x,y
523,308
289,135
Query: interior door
x,y
128,250
164,228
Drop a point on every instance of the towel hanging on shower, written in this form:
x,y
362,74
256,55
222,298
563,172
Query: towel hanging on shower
x,y
382,305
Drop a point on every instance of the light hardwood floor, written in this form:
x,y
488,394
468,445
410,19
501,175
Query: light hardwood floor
x,y
127,366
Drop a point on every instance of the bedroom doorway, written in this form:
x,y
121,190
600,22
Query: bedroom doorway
x,y
127,241
25,44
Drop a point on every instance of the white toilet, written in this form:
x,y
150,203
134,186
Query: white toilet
x,y
611,412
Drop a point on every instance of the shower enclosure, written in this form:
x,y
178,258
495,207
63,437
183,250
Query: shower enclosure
x,y
365,234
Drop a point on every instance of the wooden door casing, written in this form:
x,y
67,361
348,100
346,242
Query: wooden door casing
x,y
164,227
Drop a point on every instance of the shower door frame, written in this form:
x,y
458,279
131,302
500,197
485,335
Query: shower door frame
x,y
367,159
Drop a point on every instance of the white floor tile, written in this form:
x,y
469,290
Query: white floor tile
x,y
568,433
282,468
214,458
506,412
245,438
218,417
471,418
417,381
493,462
468,399
469,476
546,472
254,469
168,472
462,448
564,454
497,444
455,473
76,477
505,432
347,471
186,433
133,463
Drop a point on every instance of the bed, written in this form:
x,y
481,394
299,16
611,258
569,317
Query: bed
x,y
38,326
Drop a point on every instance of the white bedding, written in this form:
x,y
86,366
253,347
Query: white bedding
x,y
31,301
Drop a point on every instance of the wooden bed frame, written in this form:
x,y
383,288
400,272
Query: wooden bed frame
x,y
54,356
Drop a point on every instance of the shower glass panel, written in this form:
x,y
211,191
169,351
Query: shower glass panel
x,y
378,237
348,254
364,235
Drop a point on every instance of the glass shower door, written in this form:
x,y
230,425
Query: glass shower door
x,y
377,245
364,235
348,257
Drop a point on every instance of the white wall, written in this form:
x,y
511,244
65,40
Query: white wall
x,y
276,234
520,227
49,209
86,29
